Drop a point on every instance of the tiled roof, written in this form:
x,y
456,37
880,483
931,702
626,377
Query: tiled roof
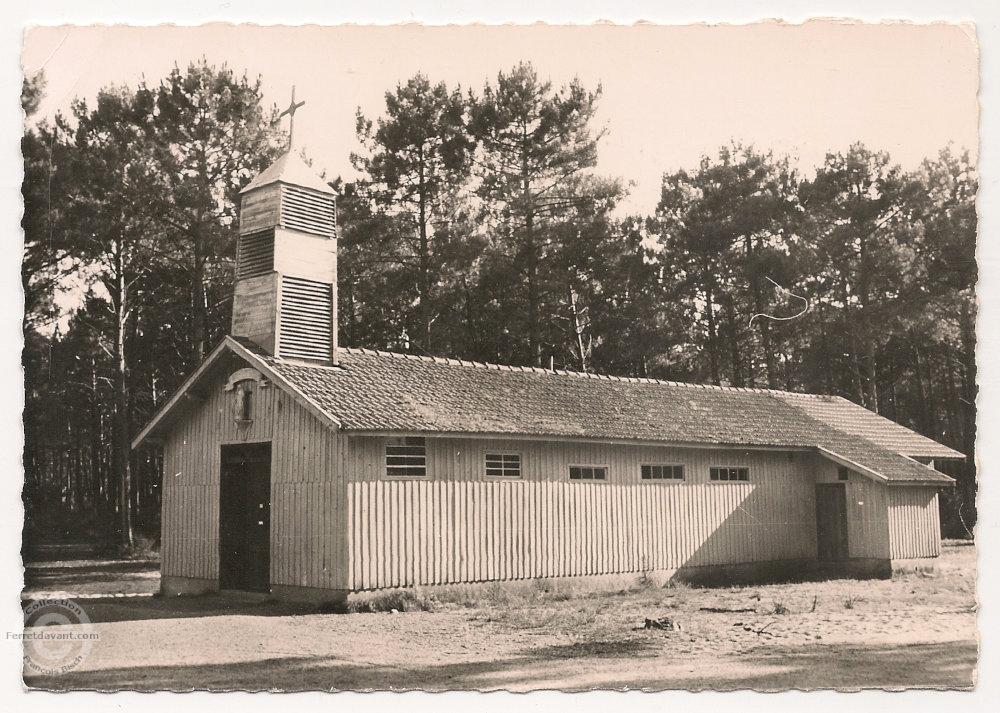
x,y
384,392
850,417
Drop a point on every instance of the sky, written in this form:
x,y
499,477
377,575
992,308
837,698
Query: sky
x,y
670,93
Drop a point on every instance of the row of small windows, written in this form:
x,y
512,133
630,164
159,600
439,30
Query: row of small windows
x,y
407,457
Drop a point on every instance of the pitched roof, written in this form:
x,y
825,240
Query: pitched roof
x,y
291,169
381,392
857,420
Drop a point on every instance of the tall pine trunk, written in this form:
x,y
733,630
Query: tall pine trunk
x,y
852,330
424,281
199,306
735,354
121,446
967,325
869,377
577,330
713,340
770,366
531,268
96,440
825,348
923,421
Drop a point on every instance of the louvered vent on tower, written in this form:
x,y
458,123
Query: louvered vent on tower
x,y
307,211
306,325
255,254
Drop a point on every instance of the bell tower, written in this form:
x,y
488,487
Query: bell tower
x,y
285,297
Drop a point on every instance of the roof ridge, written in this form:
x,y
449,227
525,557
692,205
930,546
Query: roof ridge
x,y
806,394
431,359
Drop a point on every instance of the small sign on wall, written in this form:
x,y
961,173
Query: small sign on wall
x,y
241,385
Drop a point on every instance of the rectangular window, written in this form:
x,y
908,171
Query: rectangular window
x,y
503,465
405,457
663,472
724,474
588,472
842,473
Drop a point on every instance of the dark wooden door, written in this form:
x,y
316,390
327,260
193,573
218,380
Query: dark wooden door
x,y
831,522
245,518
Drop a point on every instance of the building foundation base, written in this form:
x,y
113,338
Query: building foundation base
x,y
174,586
774,571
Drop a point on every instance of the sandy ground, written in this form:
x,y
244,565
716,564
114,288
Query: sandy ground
x,y
913,630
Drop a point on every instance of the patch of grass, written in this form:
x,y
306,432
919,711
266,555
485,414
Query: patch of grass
x,y
142,548
497,595
780,608
540,592
543,591
645,580
532,618
565,619
399,600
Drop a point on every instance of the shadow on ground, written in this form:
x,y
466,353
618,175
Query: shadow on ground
x,y
68,576
87,579
110,609
606,664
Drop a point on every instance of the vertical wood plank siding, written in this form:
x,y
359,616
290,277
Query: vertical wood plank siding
x,y
867,511
457,525
307,529
914,522
867,518
338,522
307,541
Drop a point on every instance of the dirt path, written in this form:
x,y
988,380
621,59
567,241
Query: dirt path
x,y
912,630
447,650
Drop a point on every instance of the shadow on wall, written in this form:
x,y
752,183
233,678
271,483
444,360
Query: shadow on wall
x,y
520,531
595,665
750,533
